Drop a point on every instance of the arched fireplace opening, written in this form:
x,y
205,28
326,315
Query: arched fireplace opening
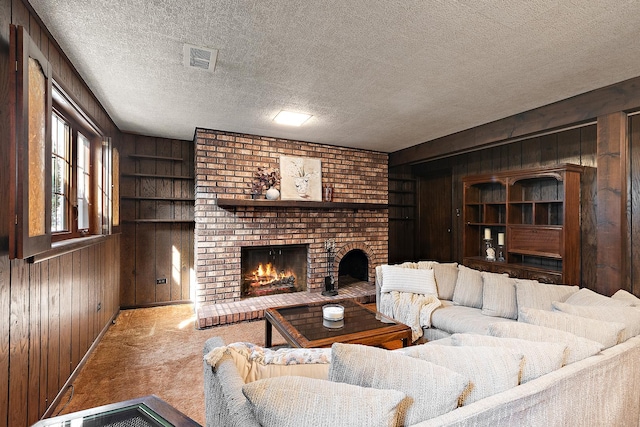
x,y
353,267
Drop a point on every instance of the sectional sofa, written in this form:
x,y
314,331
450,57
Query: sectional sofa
x,y
501,352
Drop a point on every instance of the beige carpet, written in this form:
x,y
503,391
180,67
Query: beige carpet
x,y
154,351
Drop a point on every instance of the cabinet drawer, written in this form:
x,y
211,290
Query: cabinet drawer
x,y
545,277
537,241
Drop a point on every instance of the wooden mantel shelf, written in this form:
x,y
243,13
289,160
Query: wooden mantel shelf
x,y
264,203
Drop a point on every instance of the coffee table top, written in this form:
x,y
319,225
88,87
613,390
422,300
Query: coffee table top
x,y
302,325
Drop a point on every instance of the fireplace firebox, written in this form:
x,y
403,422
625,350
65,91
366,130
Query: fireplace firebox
x,y
354,267
270,270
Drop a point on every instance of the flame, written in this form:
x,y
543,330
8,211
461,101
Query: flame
x,y
267,273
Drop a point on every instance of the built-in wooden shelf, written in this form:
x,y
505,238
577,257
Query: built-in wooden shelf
x,y
152,157
170,199
158,220
153,175
264,203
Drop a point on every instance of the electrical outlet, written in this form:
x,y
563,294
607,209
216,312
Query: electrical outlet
x,y
162,281
99,306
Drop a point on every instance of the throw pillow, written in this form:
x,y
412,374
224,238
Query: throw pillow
x,y
490,369
533,294
578,348
299,401
410,280
628,316
426,265
623,295
587,297
446,277
540,358
468,290
254,362
433,390
606,333
499,296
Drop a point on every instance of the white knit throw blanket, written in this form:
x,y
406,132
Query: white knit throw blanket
x,y
414,310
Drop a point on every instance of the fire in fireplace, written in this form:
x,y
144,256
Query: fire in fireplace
x,y
269,270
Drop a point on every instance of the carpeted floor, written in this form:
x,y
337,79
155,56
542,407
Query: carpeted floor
x,y
153,351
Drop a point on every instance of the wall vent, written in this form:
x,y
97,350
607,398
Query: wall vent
x,y
203,58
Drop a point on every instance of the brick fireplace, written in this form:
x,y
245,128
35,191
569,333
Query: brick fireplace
x,y
225,165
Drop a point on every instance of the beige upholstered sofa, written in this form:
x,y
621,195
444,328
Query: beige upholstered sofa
x,y
529,371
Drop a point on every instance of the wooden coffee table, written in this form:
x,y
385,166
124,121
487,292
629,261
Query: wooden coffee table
x,y
302,326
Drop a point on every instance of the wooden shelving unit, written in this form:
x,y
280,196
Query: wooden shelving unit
x,y
160,196
537,211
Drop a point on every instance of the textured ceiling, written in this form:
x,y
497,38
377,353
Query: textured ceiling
x,y
382,75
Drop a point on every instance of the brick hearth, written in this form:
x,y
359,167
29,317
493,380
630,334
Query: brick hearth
x,y
225,165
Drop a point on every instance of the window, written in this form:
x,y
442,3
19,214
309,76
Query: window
x,y
61,164
72,178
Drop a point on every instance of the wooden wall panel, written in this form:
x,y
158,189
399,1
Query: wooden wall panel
x,y
156,247
634,204
570,146
5,323
611,209
19,344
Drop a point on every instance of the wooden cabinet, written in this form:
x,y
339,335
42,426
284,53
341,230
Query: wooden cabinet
x,y
537,213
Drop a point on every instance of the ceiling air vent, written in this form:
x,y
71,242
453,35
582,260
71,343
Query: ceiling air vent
x,y
200,57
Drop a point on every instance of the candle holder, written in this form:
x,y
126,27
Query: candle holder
x,y
501,253
490,251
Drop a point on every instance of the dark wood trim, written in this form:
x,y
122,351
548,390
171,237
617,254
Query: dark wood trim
x,y
578,110
611,210
65,246
264,203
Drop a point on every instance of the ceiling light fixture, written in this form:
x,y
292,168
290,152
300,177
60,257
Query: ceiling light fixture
x,y
291,119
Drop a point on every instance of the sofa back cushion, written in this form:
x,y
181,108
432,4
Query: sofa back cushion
x,y
533,294
540,358
490,369
446,277
606,333
578,348
587,297
432,390
622,295
468,290
499,296
409,280
629,316
299,401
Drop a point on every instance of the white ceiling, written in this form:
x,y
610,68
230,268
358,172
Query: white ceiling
x,y
382,75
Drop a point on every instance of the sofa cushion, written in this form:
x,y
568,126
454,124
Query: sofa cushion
x,y
409,280
490,369
432,389
254,362
499,295
468,290
587,297
299,401
540,358
446,277
628,316
533,294
622,295
460,319
606,333
578,348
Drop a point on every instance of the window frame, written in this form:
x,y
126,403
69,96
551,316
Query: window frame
x,y
62,106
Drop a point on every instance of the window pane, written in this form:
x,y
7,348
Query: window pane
x,y
60,172
37,140
84,153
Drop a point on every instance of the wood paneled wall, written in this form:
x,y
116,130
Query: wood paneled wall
x,y
50,319
576,146
157,240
